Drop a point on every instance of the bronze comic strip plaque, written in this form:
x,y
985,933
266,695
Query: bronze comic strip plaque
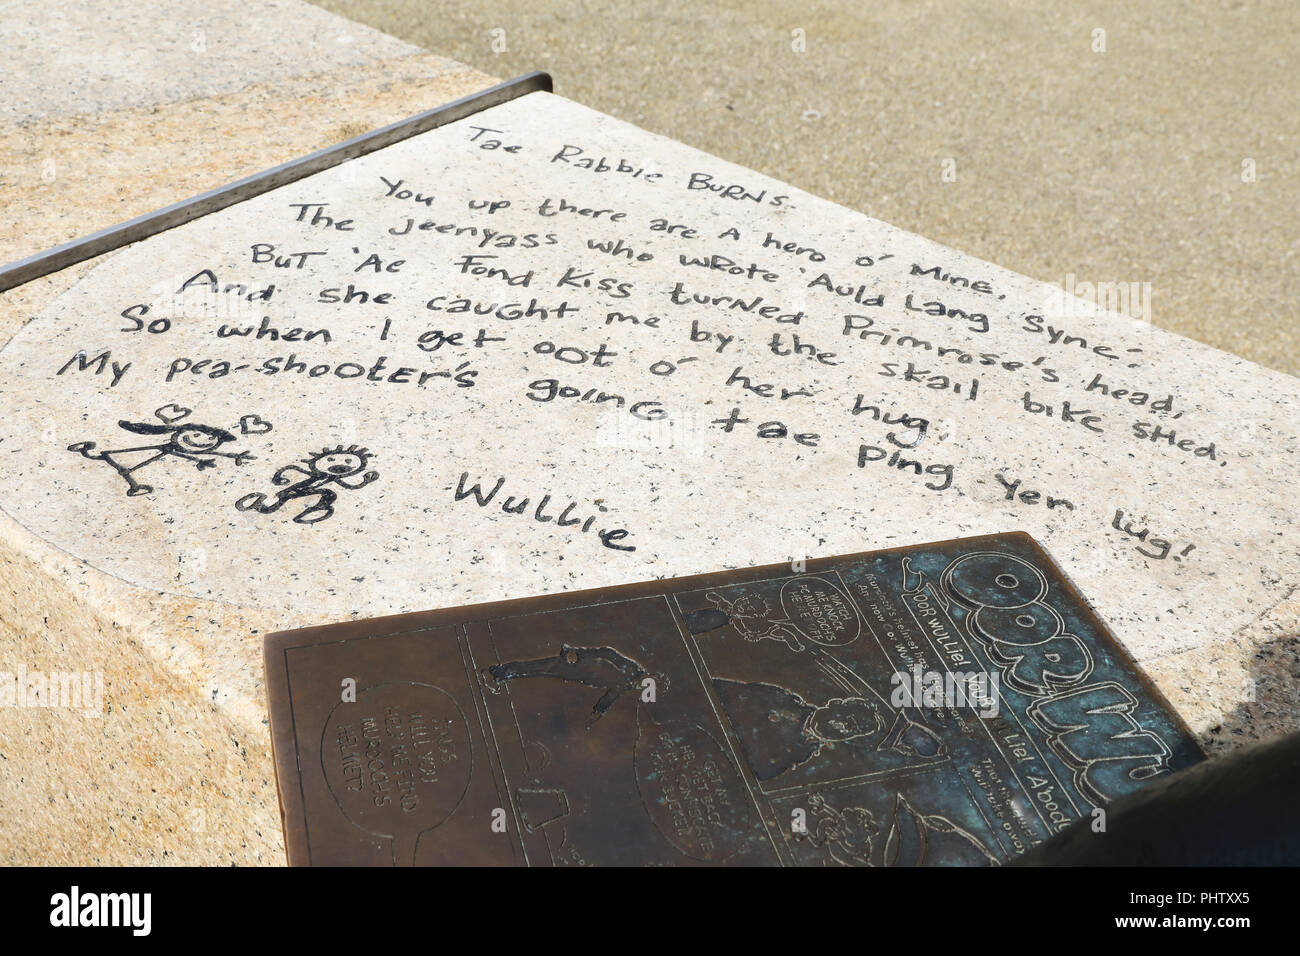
x,y
950,703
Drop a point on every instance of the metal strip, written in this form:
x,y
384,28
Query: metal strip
x,y
169,217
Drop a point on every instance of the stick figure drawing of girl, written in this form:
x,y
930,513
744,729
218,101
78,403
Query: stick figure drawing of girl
x,y
187,442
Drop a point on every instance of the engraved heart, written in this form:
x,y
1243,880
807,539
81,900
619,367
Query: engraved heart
x,y
170,414
254,425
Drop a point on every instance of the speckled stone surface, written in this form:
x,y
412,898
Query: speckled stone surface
x,y
102,56
169,773
900,421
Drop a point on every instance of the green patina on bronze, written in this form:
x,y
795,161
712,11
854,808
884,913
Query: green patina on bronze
x,y
951,703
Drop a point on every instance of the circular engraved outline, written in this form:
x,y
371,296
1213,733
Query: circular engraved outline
x,y
468,778
945,579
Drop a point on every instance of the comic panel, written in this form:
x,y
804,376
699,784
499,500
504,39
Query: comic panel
x,y
612,748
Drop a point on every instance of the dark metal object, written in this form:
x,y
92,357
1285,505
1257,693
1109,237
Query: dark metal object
x,y
177,214
1237,810
744,717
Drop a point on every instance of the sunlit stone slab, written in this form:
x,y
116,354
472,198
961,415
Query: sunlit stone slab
x,y
540,349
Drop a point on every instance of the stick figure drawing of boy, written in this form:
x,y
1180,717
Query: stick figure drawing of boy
x,y
329,466
187,442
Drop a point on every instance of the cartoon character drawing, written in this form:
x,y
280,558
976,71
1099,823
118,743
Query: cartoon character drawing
x,y
187,442
779,730
846,835
604,668
748,612
339,466
914,838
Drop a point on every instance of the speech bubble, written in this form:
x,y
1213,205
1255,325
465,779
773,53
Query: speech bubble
x,y
820,611
690,789
398,761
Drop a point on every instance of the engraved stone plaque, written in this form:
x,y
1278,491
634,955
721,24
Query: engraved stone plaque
x,y
536,350
952,703
540,345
